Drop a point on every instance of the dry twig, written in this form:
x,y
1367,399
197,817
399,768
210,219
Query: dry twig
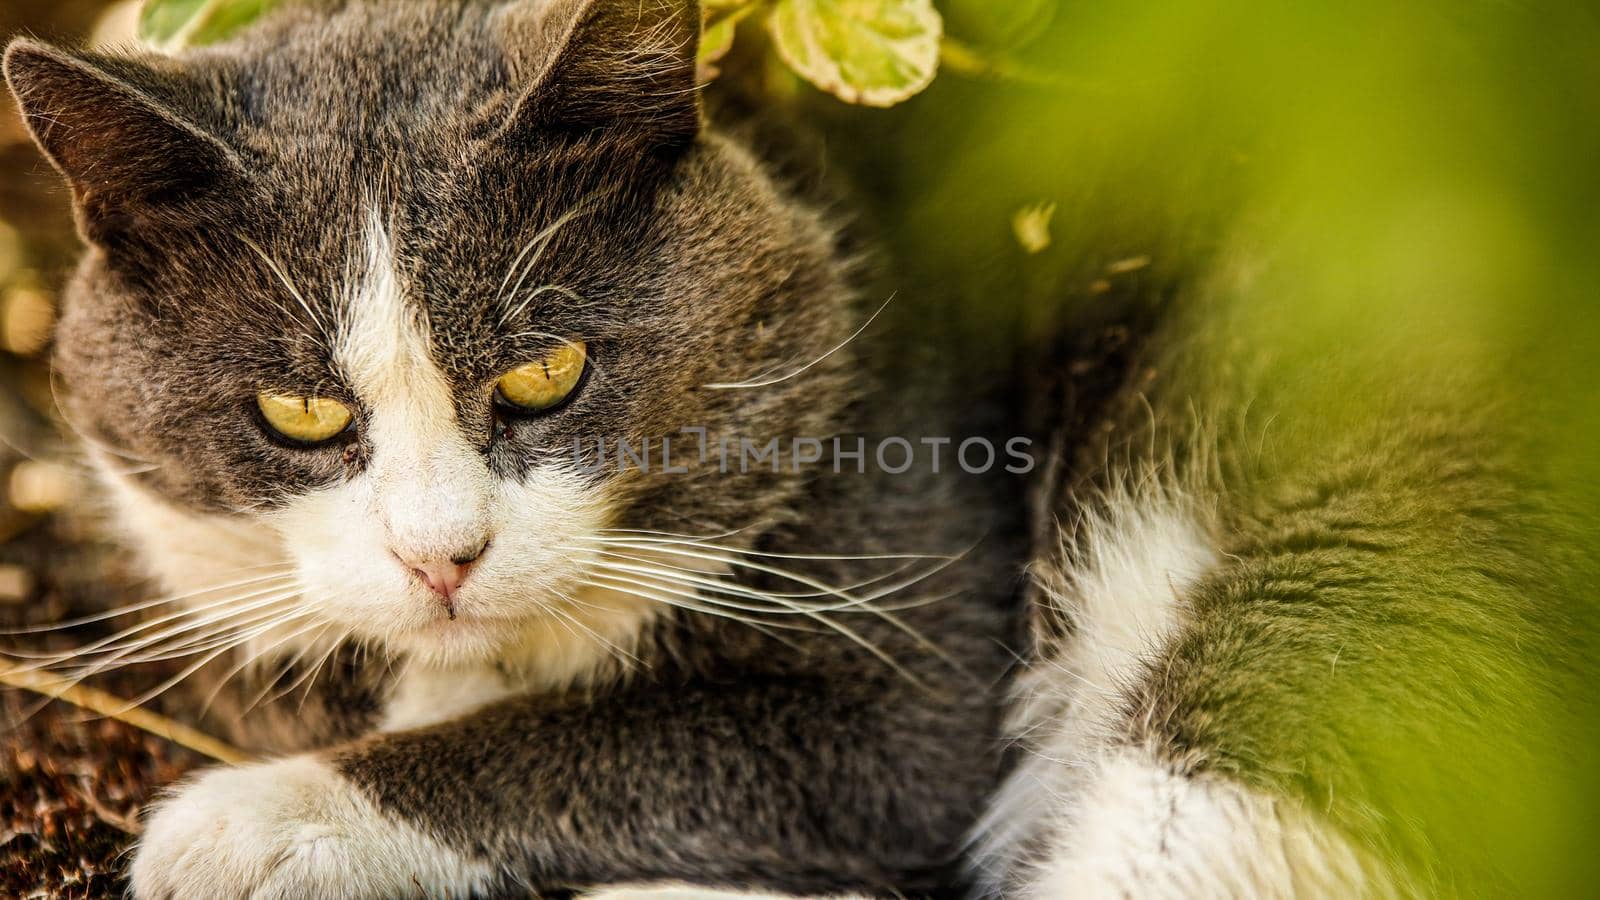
x,y
117,708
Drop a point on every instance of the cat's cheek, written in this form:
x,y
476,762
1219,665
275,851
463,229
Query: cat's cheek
x,y
287,829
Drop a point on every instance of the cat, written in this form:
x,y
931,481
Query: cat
x,y
1307,621
361,286
1295,615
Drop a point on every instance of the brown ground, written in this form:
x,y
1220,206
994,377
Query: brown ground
x,y
71,783
70,791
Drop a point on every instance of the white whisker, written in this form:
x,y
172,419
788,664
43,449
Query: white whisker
x,y
761,381
147,604
789,595
829,590
542,241
686,540
251,659
181,642
688,602
310,679
277,270
159,689
535,294
288,666
687,594
863,603
705,580
620,653
199,664
844,630
234,605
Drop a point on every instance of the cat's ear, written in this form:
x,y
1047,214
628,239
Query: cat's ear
x,y
622,66
133,161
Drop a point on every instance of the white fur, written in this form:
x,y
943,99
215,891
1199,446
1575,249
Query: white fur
x,y
1125,604
429,487
188,552
1086,814
1137,828
291,829
548,654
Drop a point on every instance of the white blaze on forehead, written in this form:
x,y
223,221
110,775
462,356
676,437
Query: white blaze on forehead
x,y
431,485
426,494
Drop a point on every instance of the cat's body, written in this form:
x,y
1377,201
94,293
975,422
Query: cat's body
x,y
1272,597
1305,618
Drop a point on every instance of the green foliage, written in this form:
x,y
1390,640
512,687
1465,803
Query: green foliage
x,y
872,52
722,19
1406,192
867,52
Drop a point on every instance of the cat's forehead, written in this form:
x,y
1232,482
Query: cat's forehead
x,y
484,294
371,76
381,111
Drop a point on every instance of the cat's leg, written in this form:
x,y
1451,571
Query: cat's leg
x,y
1140,825
793,786
1109,801
286,829
1314,673
317,821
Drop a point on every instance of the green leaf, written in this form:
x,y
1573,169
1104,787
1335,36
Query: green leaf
x,y
175,24
716,37
871,52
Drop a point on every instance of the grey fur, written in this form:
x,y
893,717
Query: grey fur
x,y
1395,587
1393,640
730,757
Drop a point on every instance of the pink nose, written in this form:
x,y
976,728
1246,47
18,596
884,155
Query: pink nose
x,y
445,576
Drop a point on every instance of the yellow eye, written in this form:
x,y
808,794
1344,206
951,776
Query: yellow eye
x,y
304,420
543,384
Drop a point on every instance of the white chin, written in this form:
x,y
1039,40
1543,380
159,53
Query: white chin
x,y
453,642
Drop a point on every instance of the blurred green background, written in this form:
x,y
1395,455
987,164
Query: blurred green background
x,y
1412,183
1397,175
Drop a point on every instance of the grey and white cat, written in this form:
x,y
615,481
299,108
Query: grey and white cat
x,y
358,279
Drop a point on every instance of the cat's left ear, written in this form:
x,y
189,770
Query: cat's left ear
x,y
626,67
134,161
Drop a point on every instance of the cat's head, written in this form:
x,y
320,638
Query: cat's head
x,y
358,280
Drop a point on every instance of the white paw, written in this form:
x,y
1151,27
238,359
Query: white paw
x,y
289,829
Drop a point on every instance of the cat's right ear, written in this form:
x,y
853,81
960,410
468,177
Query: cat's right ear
x,y
134,163
623,67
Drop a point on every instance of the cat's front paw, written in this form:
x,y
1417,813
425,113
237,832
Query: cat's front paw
x,y
293,828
